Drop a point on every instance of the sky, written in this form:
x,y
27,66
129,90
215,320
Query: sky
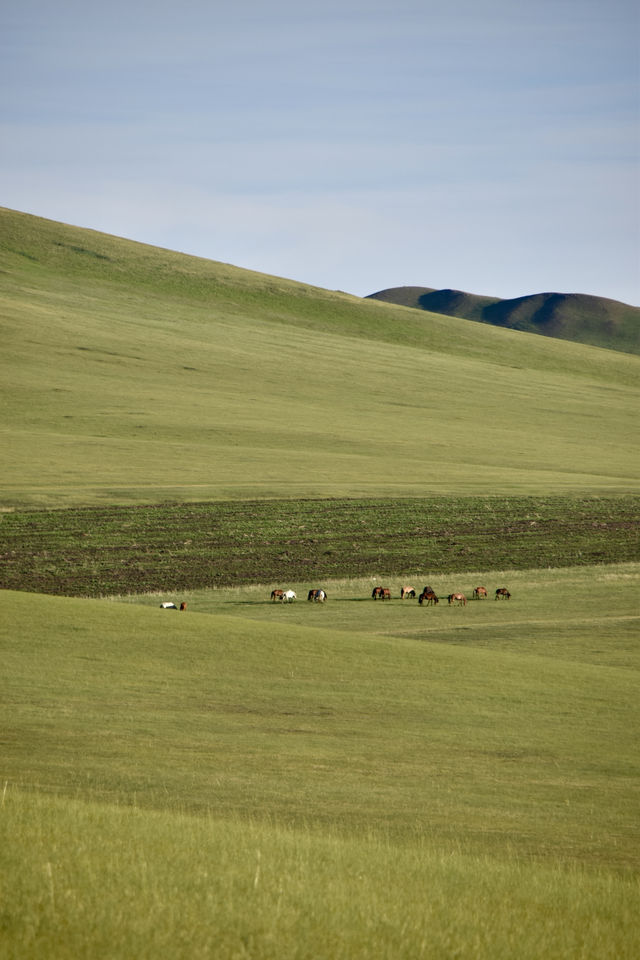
x,y
491,146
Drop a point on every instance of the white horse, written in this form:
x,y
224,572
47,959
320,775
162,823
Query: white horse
x,y
289,596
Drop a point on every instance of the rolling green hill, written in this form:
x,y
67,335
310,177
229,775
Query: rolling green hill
x,y
132,373
354,780
569,316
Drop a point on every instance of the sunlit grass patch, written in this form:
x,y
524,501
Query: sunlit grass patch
x,y
81,880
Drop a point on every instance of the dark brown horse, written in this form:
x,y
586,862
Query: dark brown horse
x,y
317,595
480,593
458,598
502,594
183,605
428,597
376,593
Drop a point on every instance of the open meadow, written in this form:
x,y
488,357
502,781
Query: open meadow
x,y
348,780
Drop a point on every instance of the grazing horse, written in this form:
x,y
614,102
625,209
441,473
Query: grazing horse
x,y
480,593
407,592
428,597
317,595
458,598
183,605
277,595
502,594
376,593
428,590
386,594
289,596
168,605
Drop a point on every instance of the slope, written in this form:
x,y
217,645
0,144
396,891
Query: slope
x,y
491,750
138,374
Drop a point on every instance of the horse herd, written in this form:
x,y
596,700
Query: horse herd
x,y
430,598
428,595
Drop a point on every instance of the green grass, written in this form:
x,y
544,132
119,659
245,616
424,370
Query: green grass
x,y
500,724
90,881
133,374
353,779
107,550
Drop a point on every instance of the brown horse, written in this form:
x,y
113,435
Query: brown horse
x,y
502,594
458,598
407,592
480,593
317,595
183,605
277,595
428,597
376,593
386,594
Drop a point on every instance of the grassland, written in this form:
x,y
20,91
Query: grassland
x,y
194,888
132,374
352,779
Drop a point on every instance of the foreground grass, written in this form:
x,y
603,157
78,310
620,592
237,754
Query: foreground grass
x,y
413,722
108,550
348,781
81,881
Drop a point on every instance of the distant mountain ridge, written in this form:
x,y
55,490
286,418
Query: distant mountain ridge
x,y
579,317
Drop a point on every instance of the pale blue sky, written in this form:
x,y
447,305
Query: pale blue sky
x,y
487,145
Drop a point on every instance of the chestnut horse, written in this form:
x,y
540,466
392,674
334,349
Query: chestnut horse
x,y
277,595
502,594
480,593
376,593
458,598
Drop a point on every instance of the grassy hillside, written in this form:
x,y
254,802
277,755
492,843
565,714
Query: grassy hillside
x,y
499,726
569,316
136,374
352,779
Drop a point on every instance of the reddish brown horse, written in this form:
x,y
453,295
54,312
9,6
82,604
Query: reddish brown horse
x,y
183,605
386,594
480,593
502,594
277,595
428,597
376,593
458,598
